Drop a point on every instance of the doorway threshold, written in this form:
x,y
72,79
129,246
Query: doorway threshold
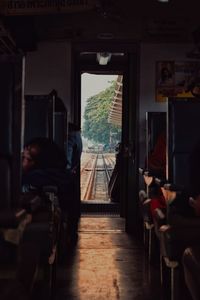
x,y
99,207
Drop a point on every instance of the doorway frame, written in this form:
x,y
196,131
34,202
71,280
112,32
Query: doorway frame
x,y
130,114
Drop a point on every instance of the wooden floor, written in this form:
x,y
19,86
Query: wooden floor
x,y
107,264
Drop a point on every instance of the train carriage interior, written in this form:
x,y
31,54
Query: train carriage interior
x,y
100,186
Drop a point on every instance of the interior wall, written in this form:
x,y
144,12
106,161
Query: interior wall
x,y
150,53
49,68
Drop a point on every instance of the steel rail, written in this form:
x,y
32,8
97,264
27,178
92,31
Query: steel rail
x,y
90,180
106,168
86,164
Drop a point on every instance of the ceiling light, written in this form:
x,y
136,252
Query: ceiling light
x,y
103,57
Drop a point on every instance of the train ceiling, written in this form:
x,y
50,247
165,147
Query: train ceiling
x,y
147,20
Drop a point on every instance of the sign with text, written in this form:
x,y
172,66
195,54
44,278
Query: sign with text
x,y
37,7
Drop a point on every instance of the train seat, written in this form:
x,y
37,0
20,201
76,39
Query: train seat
x,y
10,219
155,126
29,238
51,121
179,233
41,237
146,212
191,265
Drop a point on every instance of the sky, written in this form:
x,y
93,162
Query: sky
x,y
91,85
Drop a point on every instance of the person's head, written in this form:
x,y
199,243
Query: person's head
x,y
29,157
42,153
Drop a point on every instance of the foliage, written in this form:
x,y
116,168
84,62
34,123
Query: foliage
x,y
96,127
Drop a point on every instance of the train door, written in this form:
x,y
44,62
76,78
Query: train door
x,y
124,62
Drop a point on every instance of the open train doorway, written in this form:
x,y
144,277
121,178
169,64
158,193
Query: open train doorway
x,y
101,120
122,57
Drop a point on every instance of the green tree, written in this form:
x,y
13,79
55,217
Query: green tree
x,y
96,127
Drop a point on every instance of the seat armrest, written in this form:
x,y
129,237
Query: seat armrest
x,y
148,179
174,239
146,210
165,228
31,202
141,171
51,193
191,266
164,236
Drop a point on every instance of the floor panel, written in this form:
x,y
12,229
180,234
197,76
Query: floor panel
x,y
107,264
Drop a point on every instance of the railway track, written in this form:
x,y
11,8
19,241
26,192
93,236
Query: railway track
x,y
95,175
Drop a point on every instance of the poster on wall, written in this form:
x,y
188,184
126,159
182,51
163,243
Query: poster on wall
x,y
173,79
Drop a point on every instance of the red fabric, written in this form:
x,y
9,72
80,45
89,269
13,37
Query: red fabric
x,y
157,159
157,202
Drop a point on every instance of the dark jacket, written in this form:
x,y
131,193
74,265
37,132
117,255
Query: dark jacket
x,y
74,149
38,178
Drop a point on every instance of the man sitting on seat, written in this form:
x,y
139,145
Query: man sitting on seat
x,y
43,164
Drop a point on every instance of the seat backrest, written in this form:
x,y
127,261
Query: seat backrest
x,y
182,135
10,129
60,129
155,143
5,180
6,116
155,125
60,124
38,117
45,116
